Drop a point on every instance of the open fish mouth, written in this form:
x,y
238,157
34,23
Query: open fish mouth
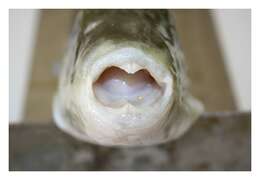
x,y
129,77
116,87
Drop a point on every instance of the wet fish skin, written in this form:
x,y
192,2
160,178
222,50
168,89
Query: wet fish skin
x,y
152,35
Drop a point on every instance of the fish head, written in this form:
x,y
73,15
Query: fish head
x,y
125,87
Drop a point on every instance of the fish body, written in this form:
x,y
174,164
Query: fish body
x,y
123,81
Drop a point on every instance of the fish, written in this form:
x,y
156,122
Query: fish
x,y
123,80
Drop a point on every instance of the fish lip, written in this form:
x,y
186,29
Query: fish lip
x,y
130,60
121,57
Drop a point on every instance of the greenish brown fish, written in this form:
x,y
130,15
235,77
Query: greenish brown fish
x,y
123,80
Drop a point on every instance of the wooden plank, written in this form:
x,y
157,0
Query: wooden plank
x,y
208,77
217,141
54,30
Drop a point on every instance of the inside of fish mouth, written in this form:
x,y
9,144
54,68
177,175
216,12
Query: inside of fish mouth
x,y
115,87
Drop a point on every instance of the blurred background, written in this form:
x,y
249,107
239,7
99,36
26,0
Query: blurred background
x,y
216,44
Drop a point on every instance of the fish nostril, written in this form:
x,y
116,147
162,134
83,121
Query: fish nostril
x,y
115,86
